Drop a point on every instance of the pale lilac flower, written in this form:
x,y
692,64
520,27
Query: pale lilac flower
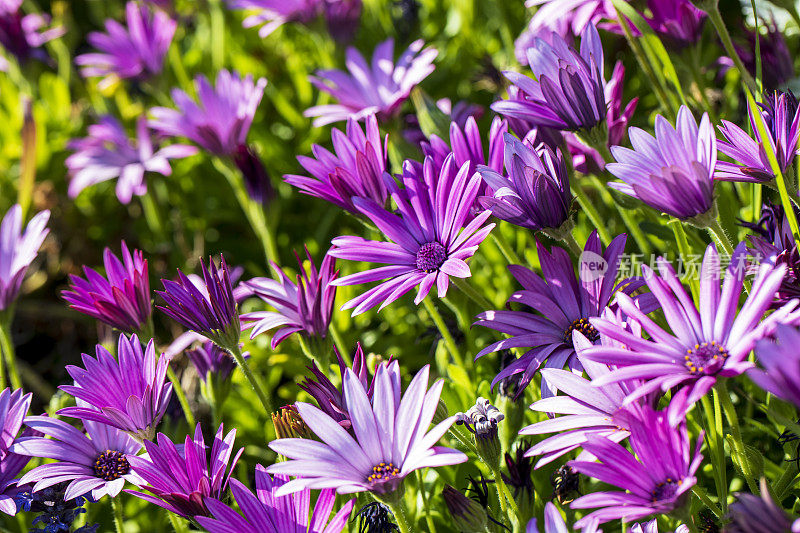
x,y
18,249
24,35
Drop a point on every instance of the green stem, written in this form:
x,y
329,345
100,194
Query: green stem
x,y
253,210
505,494
178,523
733,423
152,216
719,234
399,512
703,497
254,382
424,494
470,292
7,347
178,390
685,251
339,343
713,417
449,342
572,244
591,213
505,248
119,519
727,43
783,483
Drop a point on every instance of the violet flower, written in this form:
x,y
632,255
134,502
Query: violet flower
x,y
23,36
13,408
780,363
777,60
656,476
355,171
304,305
781,115
269,15
554,522
678,22
266,511
377,89
18,249
183,479
220,122
458,113
534,193
568,17
94,462
673,171
428,240
136,51
557,307
751,513
129,394
568,90
705,343
121,299
391,439
207,308
107,153
210,358
466,145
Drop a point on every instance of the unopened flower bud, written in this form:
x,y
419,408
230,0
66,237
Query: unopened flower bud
x,y
468,515
481,419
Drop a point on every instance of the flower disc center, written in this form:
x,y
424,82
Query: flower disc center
x,y
430,256
111,465
582,325
666,490
383,472
706,358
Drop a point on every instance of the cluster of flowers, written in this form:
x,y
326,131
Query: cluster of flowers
x,y
643,374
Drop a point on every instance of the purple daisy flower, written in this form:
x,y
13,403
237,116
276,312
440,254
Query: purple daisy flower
x,y
781,365
391,439
554,522
781,115
562,304
568,17
356,170
24,35
13,408
568,90
428,240
706,343
122,300
129,394
93,462
182,479
219,124
534,193
330,399
107,153
208,358
134,52
266,511
18,249
272,14
207,307
304,306
378,89
672,172
777,60
656,477
466,145
678,22
751,513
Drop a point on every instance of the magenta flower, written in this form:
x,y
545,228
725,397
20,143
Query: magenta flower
x,y
391,439
656,476
777,60
706,343
554,523
356,170
121,299
17,250
458,113
672,172
466,145
568,17
183,479
134,52
568,90
13,408
556,306
780,363
302,306
107,153
534,193
208,358
272,14
265,511
207,307
23,36
427,241
678,22
781,115
94,462
129,394
219,124
378,89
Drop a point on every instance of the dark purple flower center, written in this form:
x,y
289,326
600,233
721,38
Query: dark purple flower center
x,y
666,490
582,325
430,256
382,472
111,465
706,358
